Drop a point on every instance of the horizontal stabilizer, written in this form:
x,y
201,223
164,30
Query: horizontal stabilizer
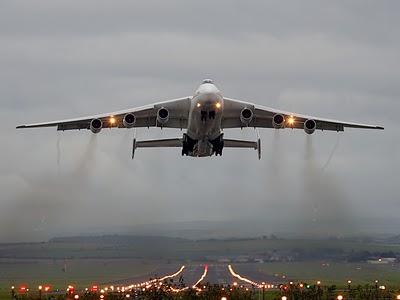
x,y
239,144
155,144
159,143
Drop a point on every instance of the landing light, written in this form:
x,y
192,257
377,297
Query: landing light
x,y
198,104
218,105
290,120
112,120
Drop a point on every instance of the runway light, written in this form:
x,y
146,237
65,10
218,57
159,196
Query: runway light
x,y
218,105
340,297
22,289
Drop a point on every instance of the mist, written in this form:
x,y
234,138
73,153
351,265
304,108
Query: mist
x,y
337,61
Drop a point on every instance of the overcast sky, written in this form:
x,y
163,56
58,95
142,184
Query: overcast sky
x,y
61,59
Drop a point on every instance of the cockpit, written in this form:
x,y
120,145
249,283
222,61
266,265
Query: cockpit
x,y
208,81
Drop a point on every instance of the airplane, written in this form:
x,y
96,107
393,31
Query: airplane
x,y
204,116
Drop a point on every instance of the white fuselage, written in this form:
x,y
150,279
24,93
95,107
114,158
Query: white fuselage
x,y
205,116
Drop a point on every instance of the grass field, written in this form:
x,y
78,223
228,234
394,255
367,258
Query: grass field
x,y
79,272
335,273
150,248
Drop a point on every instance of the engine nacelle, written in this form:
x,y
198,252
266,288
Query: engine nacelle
x,y
162,115
96,125
246,115
278,121
129,120
309,126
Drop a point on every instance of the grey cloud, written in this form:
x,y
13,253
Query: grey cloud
x,y
62,59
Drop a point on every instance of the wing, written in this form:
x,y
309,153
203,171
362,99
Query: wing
x,y
263,117
145,116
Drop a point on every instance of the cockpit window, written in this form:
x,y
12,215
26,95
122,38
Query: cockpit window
x,y
208,81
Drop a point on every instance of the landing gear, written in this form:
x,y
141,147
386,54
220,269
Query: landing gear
x,y
218,145
211,114
203,114
187,145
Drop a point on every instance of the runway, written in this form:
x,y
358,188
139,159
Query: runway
x,y
241,274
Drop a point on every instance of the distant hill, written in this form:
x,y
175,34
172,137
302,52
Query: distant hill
x,y
180,249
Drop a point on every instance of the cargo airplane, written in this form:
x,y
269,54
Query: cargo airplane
x,y
204,116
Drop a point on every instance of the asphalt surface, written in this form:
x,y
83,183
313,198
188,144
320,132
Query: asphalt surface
x,y
217,274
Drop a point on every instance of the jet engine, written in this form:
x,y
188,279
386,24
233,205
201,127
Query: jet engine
x,y
246,115
310,126
278,121
96,125
129,120
162,115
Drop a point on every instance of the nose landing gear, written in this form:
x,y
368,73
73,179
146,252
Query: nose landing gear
x,y
204,114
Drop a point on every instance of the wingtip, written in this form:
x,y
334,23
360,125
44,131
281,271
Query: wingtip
x,y
380,127
20,126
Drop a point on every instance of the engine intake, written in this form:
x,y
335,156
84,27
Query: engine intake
x,y
162,115
129,120
310,126
96,125
278,121
246,115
